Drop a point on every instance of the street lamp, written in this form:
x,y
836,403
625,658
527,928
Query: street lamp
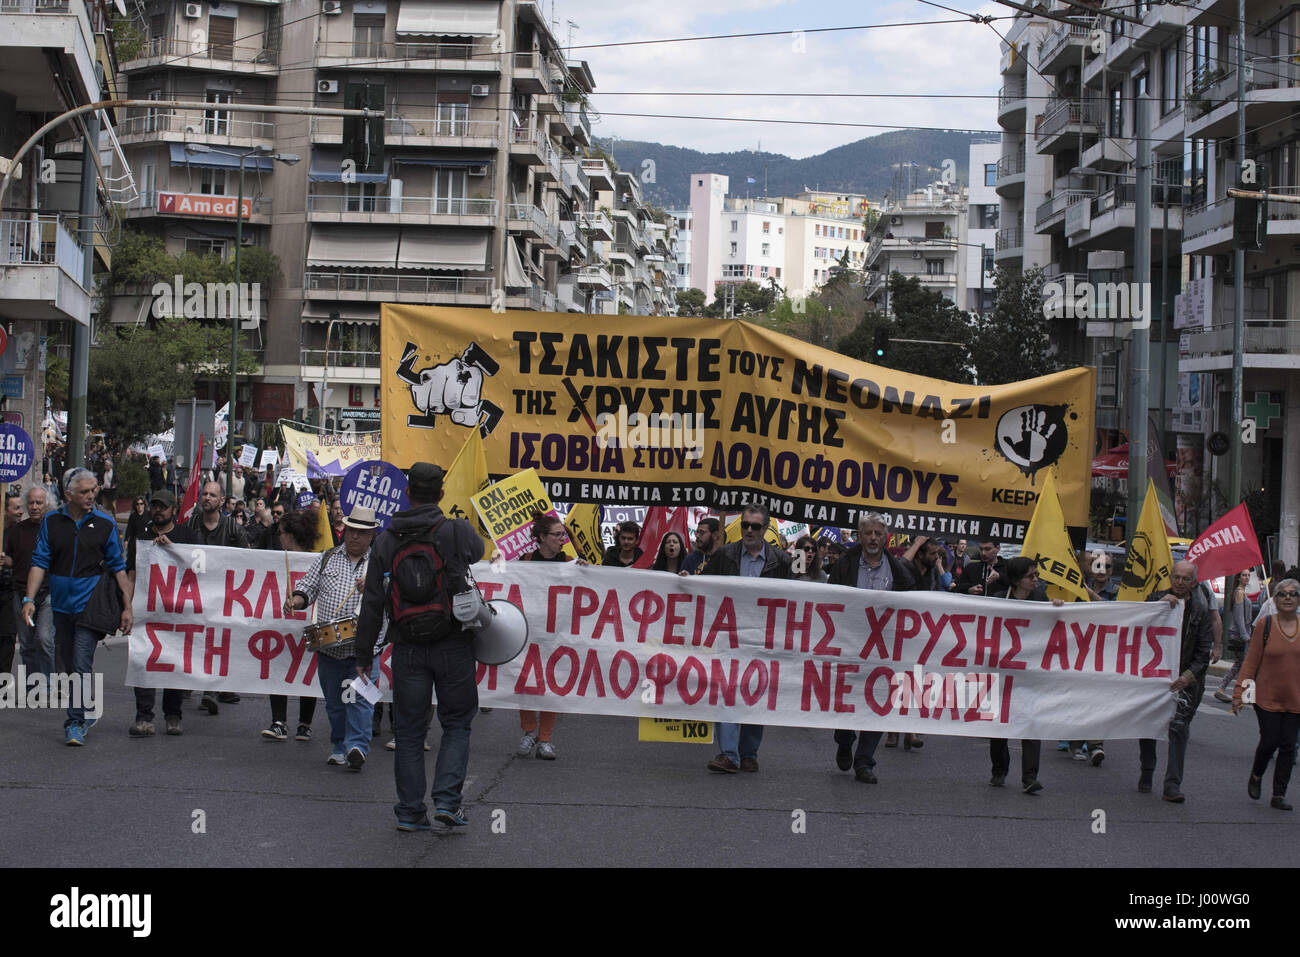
x,y
288,159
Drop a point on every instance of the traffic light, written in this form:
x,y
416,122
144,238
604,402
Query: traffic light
x,y
1248,215
363,137
880,345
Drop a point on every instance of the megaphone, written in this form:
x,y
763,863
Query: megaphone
x,y
500,629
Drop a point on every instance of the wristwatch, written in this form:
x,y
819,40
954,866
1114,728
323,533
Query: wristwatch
x,y
27,600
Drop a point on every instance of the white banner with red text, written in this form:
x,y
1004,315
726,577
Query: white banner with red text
x,y
651,644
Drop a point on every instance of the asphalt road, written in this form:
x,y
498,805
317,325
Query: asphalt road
x,y
608,800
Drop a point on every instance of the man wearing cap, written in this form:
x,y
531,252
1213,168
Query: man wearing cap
x,y
162,530
334,585
428,654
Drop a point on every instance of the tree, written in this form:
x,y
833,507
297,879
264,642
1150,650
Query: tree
x,y
1014,340
750,299
919,313
859,344
56,380
691,302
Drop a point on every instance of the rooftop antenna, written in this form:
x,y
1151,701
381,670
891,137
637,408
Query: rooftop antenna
x,y
568,45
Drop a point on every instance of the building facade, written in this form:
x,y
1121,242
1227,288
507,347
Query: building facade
x,y
920,234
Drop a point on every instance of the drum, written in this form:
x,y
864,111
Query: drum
x,y
337,638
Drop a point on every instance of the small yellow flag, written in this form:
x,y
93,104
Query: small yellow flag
x,y
1047,545
324,533
1149,564
467,476
583,526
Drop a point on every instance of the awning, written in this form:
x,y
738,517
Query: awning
x,y
327,167
1114,464
214,160
439,161
432,248
355,314
448,18
516,278
361,246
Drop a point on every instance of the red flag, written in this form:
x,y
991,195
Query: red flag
x,y
1226,547
191,498
659,521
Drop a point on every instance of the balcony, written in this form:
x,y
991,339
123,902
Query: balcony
x,y
252,59
161,202
1272,95
540,300
576,117
1065,122
433,210
597,224
344,365
476,57
531,74
1050,217
575,178
42,264
521,217
1208,228
41,36
534,146
1111,217
1107,153
1010,181
1009,244
1011,104
351,285
619,253
1267,344
432,132
214,128
597,276
1065,45
598,173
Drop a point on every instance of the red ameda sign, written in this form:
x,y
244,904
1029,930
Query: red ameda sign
x,y
192,204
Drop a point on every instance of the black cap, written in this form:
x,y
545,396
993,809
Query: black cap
x,y
165,497
425,479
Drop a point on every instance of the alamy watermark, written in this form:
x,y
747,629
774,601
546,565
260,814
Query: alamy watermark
x,y
207,300
58,692
653,430
1115,301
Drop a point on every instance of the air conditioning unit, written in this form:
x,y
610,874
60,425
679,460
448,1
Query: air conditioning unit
x,y
478,170
332,7
192,130
193,10
916,254
480,89
895,220
327,86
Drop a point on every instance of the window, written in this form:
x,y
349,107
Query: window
x,y
206,247
733,249
762,272
359,197
453,119
699,182
157,26
1170,76
749,271
221,37
217,122
777,272
780,230
368,34
990,174
817,229
212,182
988,260
735,226
145,182
1140,86
934,230
151,115
1115,120
934,267
767,249
449,191
767,227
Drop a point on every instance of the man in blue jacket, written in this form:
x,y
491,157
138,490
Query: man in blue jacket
x,y
73,543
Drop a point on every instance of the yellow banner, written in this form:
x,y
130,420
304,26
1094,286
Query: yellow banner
x,y
1149,564
675,731
583,526
506,510
633,410
332,454
1048,546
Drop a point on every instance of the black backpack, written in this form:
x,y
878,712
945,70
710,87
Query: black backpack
x,y
420,588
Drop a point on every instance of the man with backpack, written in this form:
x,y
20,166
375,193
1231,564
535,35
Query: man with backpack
x,y
416,566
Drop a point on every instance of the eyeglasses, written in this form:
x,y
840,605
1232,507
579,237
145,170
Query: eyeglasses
x,y
753,526
1288,594
809,549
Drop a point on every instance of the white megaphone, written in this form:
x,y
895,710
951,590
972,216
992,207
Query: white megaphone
x,y
500,629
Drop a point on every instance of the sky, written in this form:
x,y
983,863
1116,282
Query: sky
x,y
957,58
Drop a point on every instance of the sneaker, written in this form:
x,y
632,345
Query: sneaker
x,y
88,723
865,776
304,733
844,756
338,760
392,744
141,729
1097,756
723,765
174,725
276,732
454,818
421,825
1078,755
73,736
209,703
1219,695
546,751
355,759
526,745
1033,787
227,697
1279,802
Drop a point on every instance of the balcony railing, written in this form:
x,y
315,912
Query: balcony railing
x,y
1058,114
34,6
341,359
426,206
367,284
41,240
180,50
220,124
1012,237
478,56
523,212
1011,165
1015,89
1079,29
1056,206
401,129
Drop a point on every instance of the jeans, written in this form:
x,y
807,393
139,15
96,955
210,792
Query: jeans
x,y
1277,732
145,698
868,741
349,722
76,645
36,644
738,741
1226,684
1030,752
418,669
1179,731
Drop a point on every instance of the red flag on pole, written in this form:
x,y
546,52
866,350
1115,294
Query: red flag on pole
x,y
1226,547
191,498
659,521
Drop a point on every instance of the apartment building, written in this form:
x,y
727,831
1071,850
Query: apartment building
x,y
984,216
55,55
685,221
488,193
922,234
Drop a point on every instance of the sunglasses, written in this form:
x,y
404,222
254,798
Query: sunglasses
x,y
1288,594
753,526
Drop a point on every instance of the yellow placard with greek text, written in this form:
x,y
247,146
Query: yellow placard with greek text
x,y
675,731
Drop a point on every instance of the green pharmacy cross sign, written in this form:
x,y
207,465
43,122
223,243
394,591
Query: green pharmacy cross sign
x,y
1263,410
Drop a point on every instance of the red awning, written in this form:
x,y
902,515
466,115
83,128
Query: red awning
x,y
1114,464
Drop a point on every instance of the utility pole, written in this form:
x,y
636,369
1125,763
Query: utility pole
x,y
79,367
1140,357
1238,279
